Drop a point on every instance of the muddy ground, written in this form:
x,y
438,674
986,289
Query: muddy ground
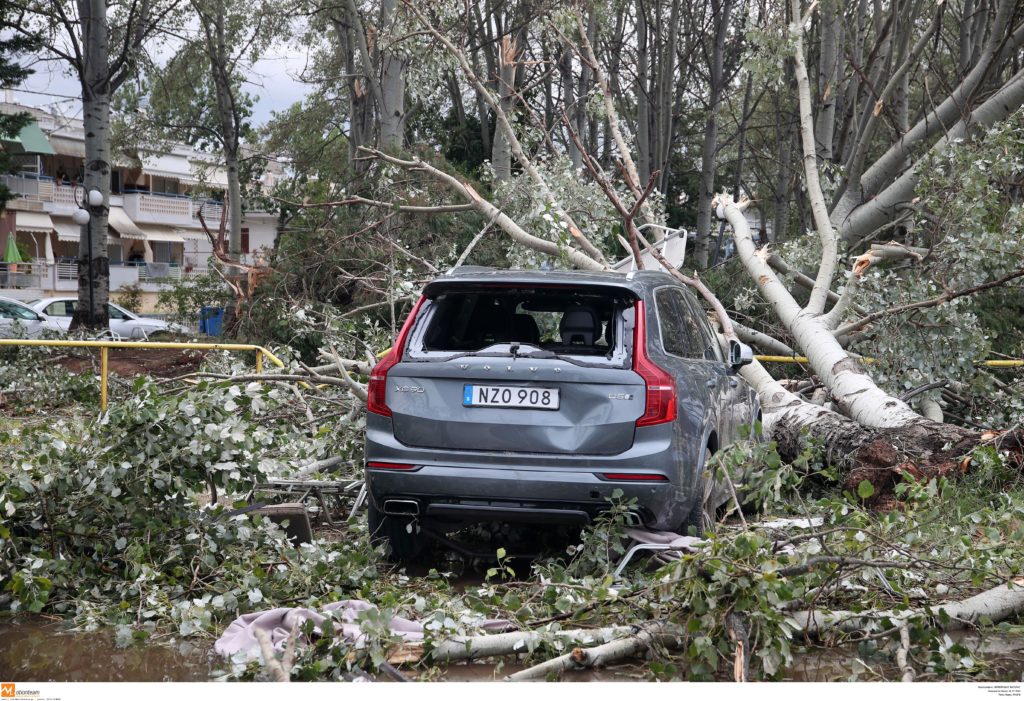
x,y
129,362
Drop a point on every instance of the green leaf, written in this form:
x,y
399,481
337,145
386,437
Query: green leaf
x,y
865,489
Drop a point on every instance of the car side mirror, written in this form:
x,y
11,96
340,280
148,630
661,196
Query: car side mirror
x,y
740,354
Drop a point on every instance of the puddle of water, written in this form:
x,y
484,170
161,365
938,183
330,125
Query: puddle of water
x,y
35,650
495,673
1000,654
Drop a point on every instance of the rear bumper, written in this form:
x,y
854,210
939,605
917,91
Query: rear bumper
x,y
531,487
517,495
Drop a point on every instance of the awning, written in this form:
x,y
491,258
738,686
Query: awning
x,y
161,233
124,226
207,173
168,166
31,139
66,146
34,222
67,230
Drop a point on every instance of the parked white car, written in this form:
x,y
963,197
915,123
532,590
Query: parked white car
x,y
123,323
18,319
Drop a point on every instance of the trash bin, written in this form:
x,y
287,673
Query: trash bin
x,y
211,321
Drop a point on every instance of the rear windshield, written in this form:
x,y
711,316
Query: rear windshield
x,y
565,321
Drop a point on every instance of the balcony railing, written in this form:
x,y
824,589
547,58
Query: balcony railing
x,y
35,188
64,196
23,275
67,271
153,207
212,212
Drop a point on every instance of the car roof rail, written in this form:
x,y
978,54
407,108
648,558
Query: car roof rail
x,y
468,269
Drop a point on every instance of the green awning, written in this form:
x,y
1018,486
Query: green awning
x,y
31,139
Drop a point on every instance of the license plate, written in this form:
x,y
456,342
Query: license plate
x,y
510,397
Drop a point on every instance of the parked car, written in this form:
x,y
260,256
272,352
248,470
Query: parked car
x,y
534,396
123,323
18,319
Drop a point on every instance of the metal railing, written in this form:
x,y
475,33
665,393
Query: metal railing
x,y
22,275
105,347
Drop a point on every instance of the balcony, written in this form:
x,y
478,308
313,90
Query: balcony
x,y
32,188
24,276
33,280
144,207
158,208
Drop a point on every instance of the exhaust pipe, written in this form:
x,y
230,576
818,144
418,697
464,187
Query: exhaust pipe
x,y
634,520
401,507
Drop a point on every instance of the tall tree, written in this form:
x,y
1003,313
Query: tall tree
x,y
12,73
101,42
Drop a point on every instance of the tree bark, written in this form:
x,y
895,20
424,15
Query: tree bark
x,y
501,152
228,116
392,87
93,263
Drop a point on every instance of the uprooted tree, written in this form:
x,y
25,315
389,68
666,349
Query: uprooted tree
x,y
875,434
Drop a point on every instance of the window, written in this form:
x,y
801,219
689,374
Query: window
x,y
116,313
680,334
162,251
14,311
712,347
61,308
562,320
163,185
245,239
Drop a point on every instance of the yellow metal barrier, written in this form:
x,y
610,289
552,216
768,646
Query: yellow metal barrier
x,y
802,359
105,347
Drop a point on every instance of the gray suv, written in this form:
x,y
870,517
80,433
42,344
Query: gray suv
x,y
532,396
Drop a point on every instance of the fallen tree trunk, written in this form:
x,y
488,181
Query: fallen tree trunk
x,y
924,450
461,647
996,604
602,655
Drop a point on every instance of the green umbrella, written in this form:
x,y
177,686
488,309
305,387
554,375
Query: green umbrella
x,y
11,254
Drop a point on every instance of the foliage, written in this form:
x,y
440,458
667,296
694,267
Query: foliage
x,y
110,506
183,299
12,73
130,297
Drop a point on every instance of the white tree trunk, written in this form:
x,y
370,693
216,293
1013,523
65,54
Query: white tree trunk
x,y
392,89
854,392
93,263
501,151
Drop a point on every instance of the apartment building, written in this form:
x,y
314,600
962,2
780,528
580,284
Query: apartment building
x,y
155,232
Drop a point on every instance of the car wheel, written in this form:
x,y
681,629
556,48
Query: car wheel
x,y
693,524
699,517
393,533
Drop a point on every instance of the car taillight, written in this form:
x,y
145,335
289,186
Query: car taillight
x,y
376,390
373,465
661,389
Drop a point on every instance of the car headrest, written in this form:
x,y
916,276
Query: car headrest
x,y
579,326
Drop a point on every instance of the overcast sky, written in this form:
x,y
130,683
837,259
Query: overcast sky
x,y
273,85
